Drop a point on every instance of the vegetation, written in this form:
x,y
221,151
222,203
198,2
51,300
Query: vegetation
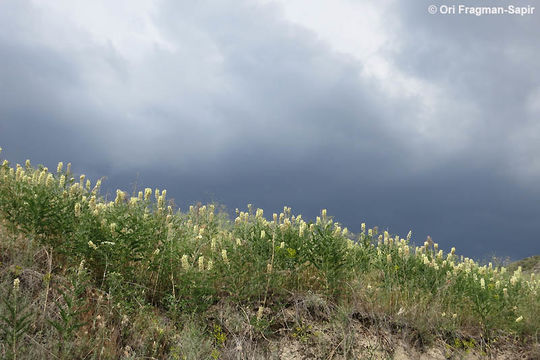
x,y
84,278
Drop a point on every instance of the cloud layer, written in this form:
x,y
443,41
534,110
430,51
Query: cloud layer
x,y
376,110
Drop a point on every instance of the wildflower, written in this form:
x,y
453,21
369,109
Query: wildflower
x,y
263,234
156,252
519,319
406,250
370,232
92,245
389,258
443,314
41,178
210,264
201,263
345,232
282,245
505,292
301,229
98,185
409,235
185,263
454,316
224,256
259,213
482,283
77,209
49,180
120,196
363,227
16,284
453,251
147,193
81,268
88,185
323,213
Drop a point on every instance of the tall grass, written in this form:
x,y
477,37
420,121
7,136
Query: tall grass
x,y
138,254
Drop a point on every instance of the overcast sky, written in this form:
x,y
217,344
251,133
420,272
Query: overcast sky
x,y
376,110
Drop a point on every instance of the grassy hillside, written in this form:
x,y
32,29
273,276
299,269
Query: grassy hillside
x,y
83,278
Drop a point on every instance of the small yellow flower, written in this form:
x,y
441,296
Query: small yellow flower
x,y
210,264
519,319
263,234
185,262
482,283
363,227
260,312
147,193
49,180
224,256
92,245
16,284
201,263
77,209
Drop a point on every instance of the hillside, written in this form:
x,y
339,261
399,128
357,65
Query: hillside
x,y
135,278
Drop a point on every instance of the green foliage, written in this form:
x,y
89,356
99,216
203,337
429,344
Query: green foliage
x,y
15,321
140,252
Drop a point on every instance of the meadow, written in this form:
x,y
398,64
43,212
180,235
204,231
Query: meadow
x,y
84,277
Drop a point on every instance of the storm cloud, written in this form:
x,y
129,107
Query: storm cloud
x,y
376,110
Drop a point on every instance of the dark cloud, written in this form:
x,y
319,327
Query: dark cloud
x,y
232,103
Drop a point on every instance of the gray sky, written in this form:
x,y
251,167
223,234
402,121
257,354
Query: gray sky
x,y
376,110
